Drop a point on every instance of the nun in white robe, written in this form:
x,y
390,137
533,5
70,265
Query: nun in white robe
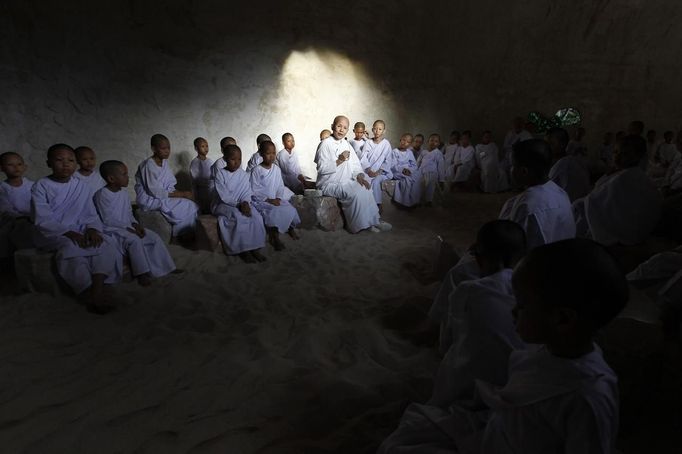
x,y
147,254
359,206
493,179
408,189
202,183
58,208
432,169
623,208
153,183
571,175
449,161
291,169
268,184
94,181
16,230
377,157
238,232
463,162
550,405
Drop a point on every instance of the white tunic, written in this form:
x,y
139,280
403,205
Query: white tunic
x,y
358,146
153,183
479,336
58,208
432,169
238,233
464,162
377,157
15,203
571,175
449,160
493,179
148,254
358,203
94,181
291,169
667,153
202,182
268,184
623,208
544,211
255,160
408,189
217,165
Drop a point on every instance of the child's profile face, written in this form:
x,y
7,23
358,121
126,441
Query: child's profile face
x,y
162,150
289,142
202,148
86,160
13,166
233,161
63,163
418,142
486,139
405,142
465,141
359,133
434,141
269,155
119,179
378,130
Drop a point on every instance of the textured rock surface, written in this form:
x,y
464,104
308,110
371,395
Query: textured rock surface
x,y
154,220
36,271
322,212
207,237
388,187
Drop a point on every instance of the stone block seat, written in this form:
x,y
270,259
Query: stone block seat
x,y
154,220
388,187
37,271
207,236
318,211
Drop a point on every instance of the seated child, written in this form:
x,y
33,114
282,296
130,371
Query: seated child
x,y
200,171
87,169
449,155
432,168
568,171
256,158
271,198
358,142
220,162
287,160
67,223
241,228
376,161
16,230
146,251
463,161
624,207
493,178
562,398
416,147
155,190
477,328
408,189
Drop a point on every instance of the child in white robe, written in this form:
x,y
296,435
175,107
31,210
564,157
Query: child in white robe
x,y
493,179
477,329
432,168
340,175
16,229
271,198
241,227
568,171
416,147
408,189
256,158
146,251
200,171
87,169
287,161
514,135
624,207
155,190
220,162
376,161
449,155
358,142
463,161
561,398
67,223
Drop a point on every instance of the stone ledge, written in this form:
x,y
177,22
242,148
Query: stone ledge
x,y
154,220
321,212
207,234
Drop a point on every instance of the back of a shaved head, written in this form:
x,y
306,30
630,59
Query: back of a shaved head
x,y
502,239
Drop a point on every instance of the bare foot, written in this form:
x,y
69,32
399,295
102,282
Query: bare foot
x,y
258,256
94,298
247,257
293,234
145,280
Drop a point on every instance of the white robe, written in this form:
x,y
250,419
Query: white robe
x,y
465,159
291,169
377,157
432,168
268,184
408,188
148,254
153,183
667,153
238,233
15,203
544,211
493,178
58,208
254,161
478,337
623,208
359,206
202,182
550,405
217,165
449,160
94,181
571,175
358,146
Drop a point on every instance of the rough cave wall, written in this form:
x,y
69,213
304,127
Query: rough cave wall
x,y
110,74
